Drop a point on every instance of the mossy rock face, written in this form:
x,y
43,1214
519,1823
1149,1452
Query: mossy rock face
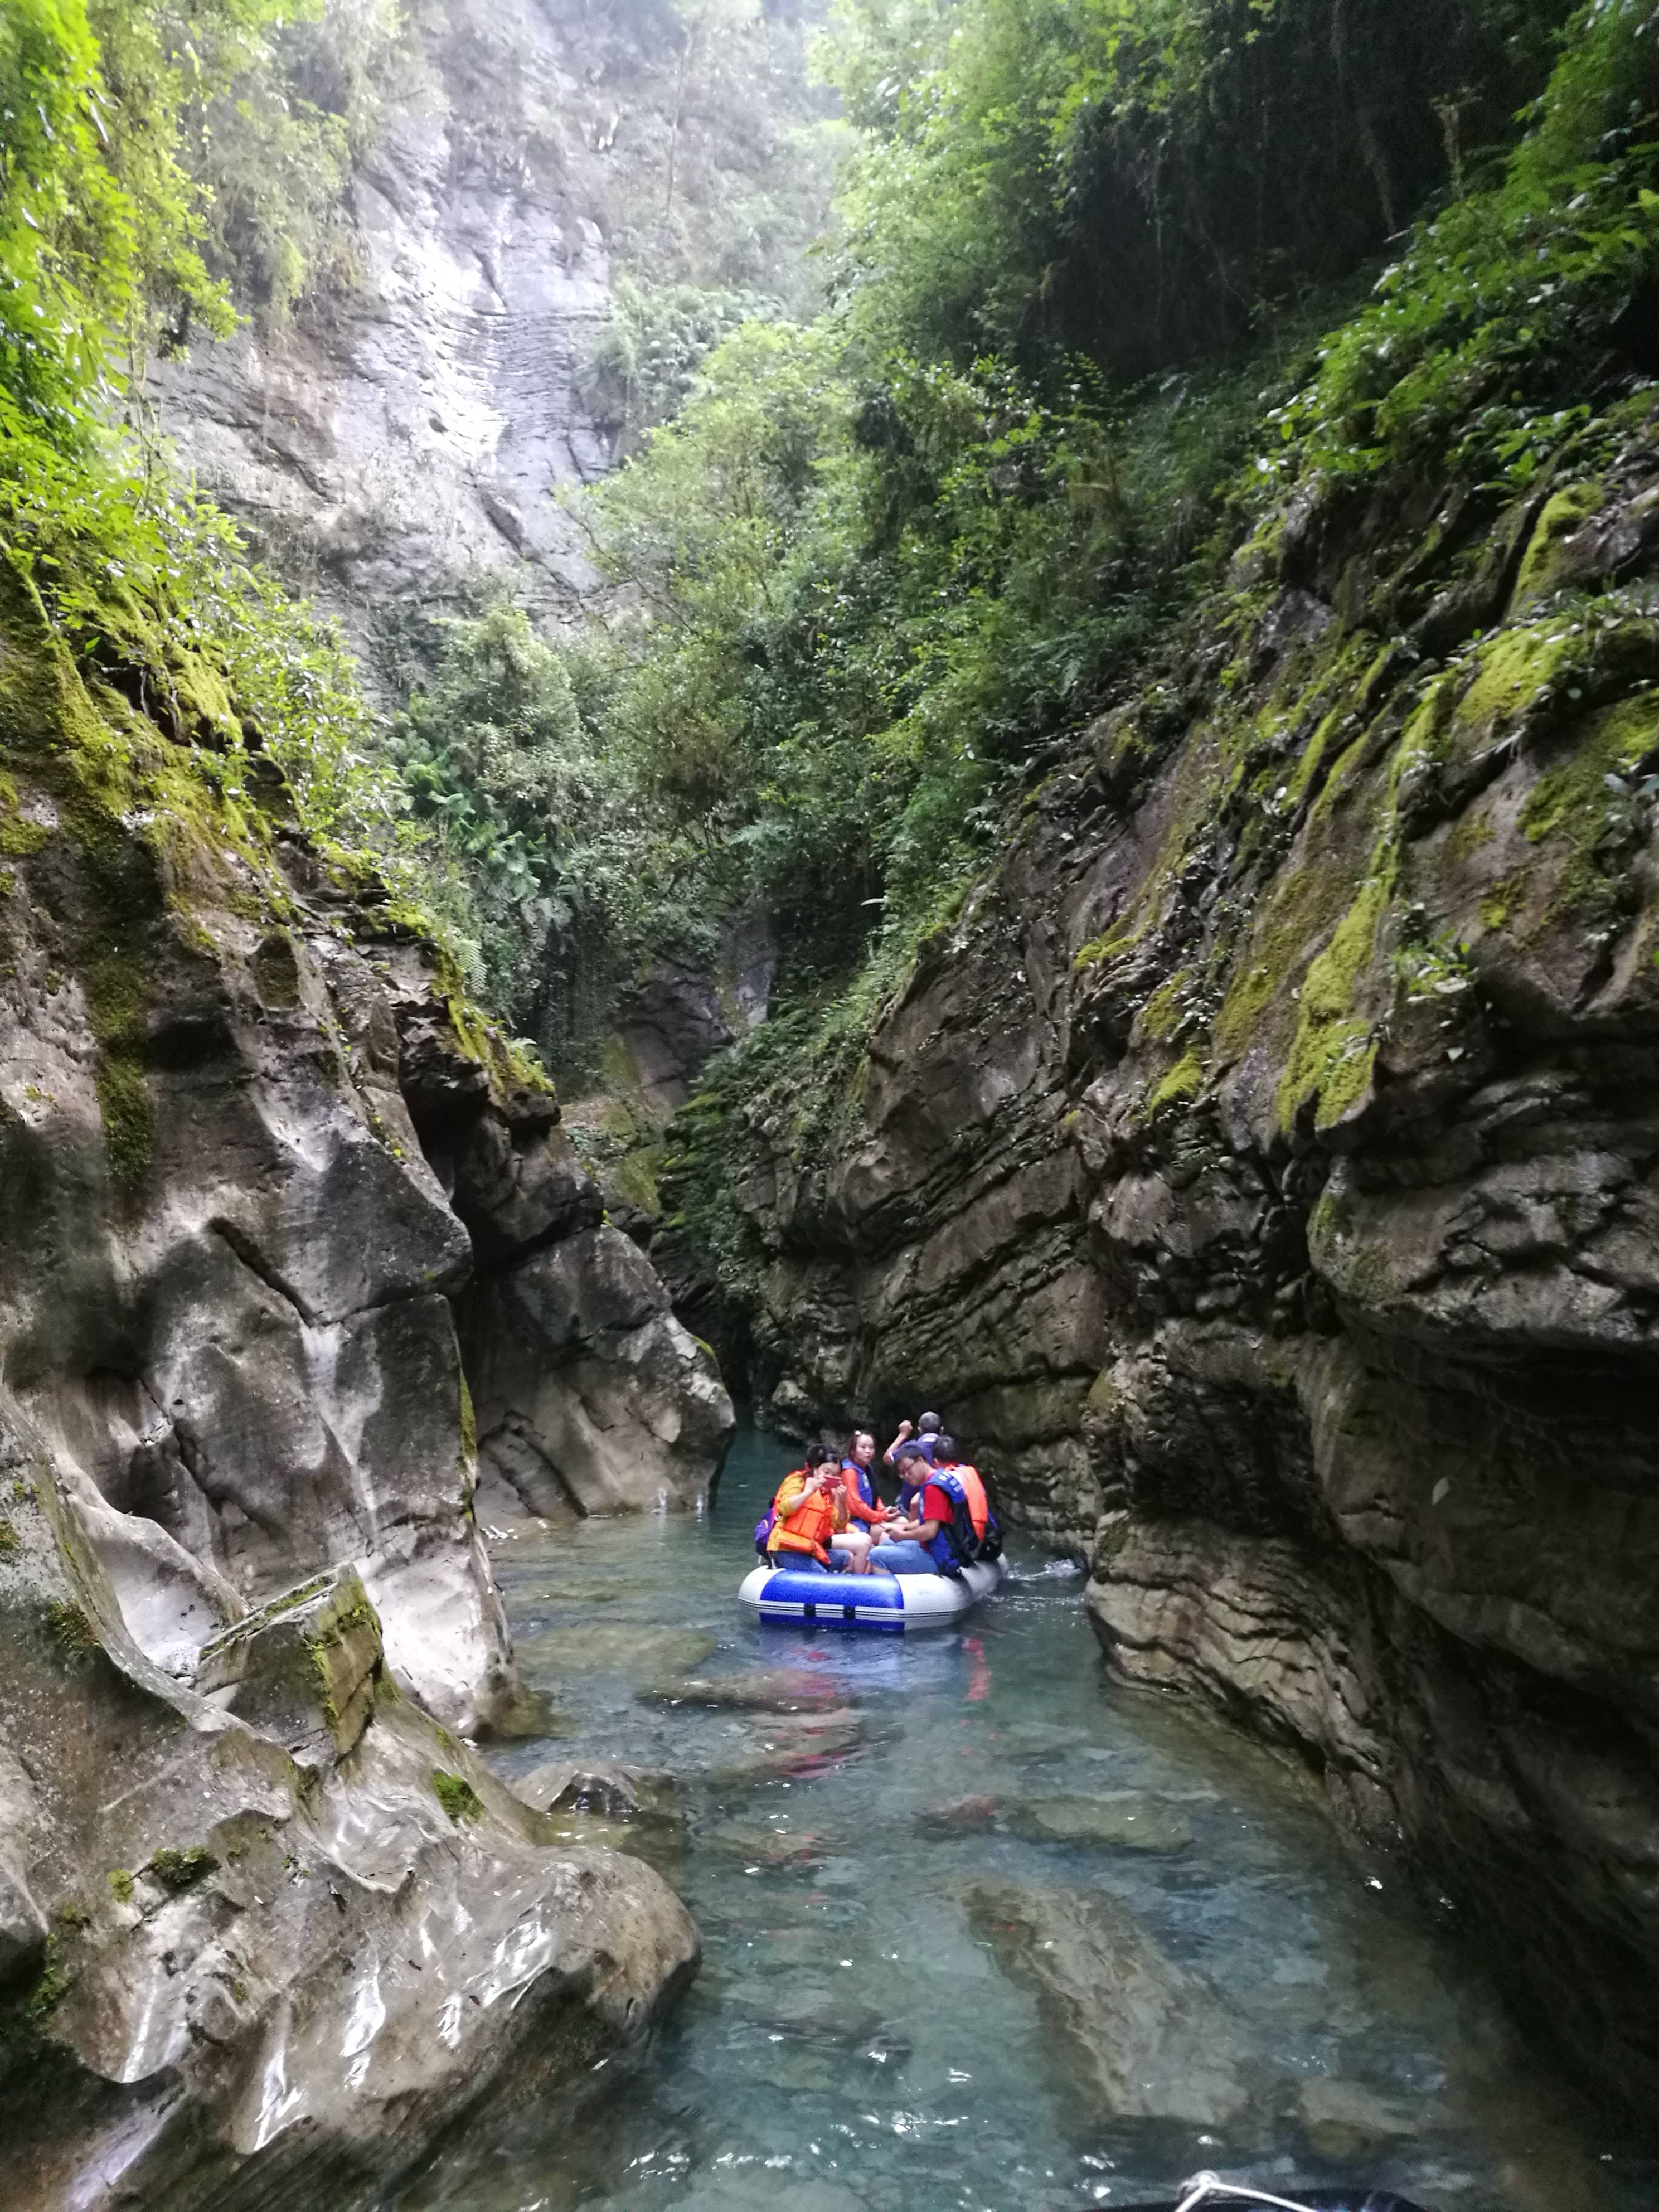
x,y
305,1664
182,1868
458,1798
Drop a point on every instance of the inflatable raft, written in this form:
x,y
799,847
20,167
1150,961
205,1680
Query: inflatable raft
x,y
888,1603
1208,2192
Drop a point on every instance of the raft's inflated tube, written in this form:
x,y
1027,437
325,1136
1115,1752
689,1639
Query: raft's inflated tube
x,y
891,1604
1239,2197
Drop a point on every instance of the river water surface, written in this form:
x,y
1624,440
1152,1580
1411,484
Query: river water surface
x,y
981,1931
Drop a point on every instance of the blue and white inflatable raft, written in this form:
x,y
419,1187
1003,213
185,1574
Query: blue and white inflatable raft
x,y
891,1604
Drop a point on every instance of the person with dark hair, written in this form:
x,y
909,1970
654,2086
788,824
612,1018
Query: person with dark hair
x,y
809,1531
920,1438
862,1501
951,1525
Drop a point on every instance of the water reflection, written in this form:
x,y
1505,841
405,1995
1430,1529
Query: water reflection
x,y
981,1933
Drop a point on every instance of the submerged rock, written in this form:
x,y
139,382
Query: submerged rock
x,y
1123,1821
964,1816
770,1690
792,1744
1346,2119
612,1647
620,1793
1142,2036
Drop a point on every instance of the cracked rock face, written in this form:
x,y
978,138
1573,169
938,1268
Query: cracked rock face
x,y
1260,1177
223,1291
229,1269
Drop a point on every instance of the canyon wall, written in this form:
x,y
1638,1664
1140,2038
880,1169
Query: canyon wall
x,y
257,1153
1259,1175
405,435
406,430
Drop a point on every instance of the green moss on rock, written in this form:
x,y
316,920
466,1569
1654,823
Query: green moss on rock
x,y
457,1796
1164,1012
71,1631
1332,1056
182,1869
1542,568
1180,1085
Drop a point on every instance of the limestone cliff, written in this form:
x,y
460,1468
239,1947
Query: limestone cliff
x,y
255,1151
1260,1174
406,434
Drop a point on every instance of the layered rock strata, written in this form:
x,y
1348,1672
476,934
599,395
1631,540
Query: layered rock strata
x,y
1260,1174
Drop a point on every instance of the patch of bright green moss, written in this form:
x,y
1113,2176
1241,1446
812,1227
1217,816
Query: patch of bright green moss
x,y
457,1796
72,1632
469,1430
121,1882
1501,902
129,1117
182,1869
1161,1015
1516,666
1574,804
1305,901
1541,567
52,1983
19,836
10,1542
1331,1056
635,1179
1184,1081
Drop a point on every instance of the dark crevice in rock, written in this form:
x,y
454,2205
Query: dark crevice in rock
x,y
252,1259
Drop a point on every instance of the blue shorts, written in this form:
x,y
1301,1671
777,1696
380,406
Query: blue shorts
x,y
803,1563
903,1557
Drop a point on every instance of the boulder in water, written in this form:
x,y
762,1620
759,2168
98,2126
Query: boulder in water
x,y
1144,2037
1122,1821
766,1690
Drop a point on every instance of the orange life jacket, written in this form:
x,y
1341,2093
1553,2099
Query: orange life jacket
x,y
979,1506
803,1523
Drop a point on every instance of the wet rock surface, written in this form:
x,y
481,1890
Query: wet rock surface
x,y
271,1939
264,1925
407,430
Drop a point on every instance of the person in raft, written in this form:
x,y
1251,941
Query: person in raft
x,y
951,1525
922,1438
803,1534
863,1504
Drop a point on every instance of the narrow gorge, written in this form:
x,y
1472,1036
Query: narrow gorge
x,y
708,708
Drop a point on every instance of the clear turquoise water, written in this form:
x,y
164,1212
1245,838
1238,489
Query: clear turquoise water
x,y
896,2010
